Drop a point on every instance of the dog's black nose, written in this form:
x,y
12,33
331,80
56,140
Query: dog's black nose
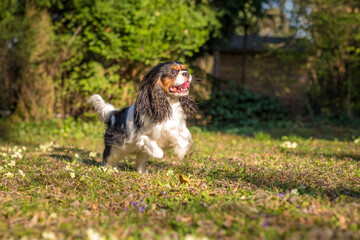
x,y
186,74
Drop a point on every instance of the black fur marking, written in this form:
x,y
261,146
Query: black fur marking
x,y
106,153
152,101
189,106
116,134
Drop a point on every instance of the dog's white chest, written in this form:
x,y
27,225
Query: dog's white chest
x,y
174,130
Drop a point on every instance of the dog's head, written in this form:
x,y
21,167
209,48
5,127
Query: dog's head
x,y
172,77
175,79
165,82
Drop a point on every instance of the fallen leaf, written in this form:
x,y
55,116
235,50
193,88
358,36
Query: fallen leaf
x,y
184,179
94,206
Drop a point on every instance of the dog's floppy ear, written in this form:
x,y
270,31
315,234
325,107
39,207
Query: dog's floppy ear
x,y
152,100
189,106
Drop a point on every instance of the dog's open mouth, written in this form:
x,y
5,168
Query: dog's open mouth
x,y
183,88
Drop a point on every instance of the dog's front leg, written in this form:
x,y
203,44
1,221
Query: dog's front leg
x,y
141,159
150,147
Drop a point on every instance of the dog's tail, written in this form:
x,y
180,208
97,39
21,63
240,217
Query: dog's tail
x,y
101,107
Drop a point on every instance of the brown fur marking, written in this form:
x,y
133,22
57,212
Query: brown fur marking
x,y
176,67
167,83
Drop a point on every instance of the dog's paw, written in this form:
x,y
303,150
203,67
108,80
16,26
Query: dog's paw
x,y
141,169
157,153
153,150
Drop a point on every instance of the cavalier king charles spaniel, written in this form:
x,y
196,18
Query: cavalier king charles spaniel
x,y
154,122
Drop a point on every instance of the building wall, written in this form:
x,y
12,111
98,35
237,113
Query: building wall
x,y
267,75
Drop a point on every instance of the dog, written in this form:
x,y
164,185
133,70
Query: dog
x,y
157,120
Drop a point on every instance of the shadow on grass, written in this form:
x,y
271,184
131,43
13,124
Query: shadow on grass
x,y
284,182
63,154
325,132
127,164
306,181
335,156
272,179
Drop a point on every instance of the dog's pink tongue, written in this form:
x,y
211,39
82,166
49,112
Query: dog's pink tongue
x,y
185,85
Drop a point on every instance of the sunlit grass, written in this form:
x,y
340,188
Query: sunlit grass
x,y
260,186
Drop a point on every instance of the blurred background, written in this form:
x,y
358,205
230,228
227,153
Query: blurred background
x,y
258,63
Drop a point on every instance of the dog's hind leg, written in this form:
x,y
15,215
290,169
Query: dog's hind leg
x,y
141,159
106,154
114,155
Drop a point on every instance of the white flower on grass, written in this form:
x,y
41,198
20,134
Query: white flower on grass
x,y
1,169
49,236
294,191
170,173
16,155
94,235
72,175
12,163
3,154
357,140
104,169
22,173
285,144
47,146
288,144
68,167
9,174
16,149
115,169
77,158
192,237
53,215
92,154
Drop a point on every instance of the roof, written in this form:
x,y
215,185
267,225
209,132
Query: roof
x,y
255,43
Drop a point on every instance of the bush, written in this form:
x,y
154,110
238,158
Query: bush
x,y
100,47
235,106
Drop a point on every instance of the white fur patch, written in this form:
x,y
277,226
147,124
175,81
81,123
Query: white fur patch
x,y
100,106
180,79
130,122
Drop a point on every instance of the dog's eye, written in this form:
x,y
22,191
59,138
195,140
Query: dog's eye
x,y
173,71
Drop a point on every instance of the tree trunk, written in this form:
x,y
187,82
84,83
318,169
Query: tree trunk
x,y
37,92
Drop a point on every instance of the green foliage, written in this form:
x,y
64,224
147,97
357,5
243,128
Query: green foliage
x,y
106,47
143,31
334,56
236,15
54,130
334,119
235,106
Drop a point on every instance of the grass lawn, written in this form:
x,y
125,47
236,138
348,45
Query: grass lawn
x,y
260,186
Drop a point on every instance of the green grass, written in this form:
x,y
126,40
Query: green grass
x,y
242,186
